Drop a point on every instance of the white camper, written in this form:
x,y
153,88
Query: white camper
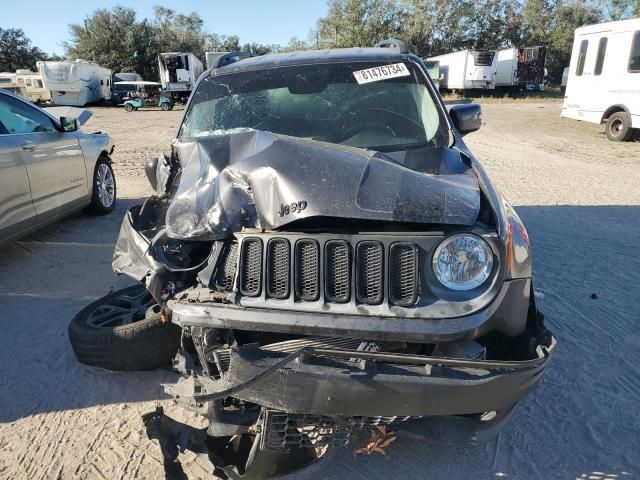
x,y
521,68
467,70
8,81
76,83
604,78
32,81
179,71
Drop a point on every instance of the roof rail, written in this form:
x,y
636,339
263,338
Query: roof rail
x,y
231,57
393,43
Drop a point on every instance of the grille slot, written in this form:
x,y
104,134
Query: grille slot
x,y
370,272
307,268
227,268
251,267
403,274
278,266
338,271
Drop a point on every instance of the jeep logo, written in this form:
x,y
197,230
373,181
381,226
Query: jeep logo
x,y
293,207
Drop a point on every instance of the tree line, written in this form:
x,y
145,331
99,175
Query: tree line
x,y
115,38
434,27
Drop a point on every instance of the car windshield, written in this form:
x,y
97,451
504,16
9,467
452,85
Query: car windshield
x,y
360,104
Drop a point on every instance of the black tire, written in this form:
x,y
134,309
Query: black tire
x,y
143,344
618,127
128,107
104,182
165,106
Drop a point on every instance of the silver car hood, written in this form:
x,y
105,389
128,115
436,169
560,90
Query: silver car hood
x,y
258,179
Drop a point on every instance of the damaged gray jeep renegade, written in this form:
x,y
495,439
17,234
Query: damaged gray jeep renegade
x,y
334,258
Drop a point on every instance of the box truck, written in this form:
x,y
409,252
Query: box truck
x,y
76,83
603,85
179,72
467,70
521,68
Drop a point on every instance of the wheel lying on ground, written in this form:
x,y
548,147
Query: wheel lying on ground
x,y
103,197
123,331
618,127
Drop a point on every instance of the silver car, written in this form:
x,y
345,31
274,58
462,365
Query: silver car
x,y
49,169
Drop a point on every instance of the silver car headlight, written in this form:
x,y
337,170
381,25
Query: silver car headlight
x,y
462,262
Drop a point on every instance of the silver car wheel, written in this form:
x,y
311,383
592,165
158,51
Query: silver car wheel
x,y
129,307
105,185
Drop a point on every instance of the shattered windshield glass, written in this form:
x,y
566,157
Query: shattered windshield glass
x,y
324,102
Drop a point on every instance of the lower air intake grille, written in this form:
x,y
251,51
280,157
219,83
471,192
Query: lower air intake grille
x,y
285,431
251,267
307,258
370,272
278,268
338,267
403,274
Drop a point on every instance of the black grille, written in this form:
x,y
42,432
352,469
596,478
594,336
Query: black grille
x,y
227,269
284,431
338,271
370,273
307,258
403,274
278,268
251,270
308,270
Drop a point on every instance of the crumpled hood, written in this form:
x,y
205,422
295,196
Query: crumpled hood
x,y
259,179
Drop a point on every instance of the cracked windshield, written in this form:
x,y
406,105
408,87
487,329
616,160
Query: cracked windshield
x,y
324,103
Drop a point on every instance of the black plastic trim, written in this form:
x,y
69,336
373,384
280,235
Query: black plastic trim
x,y
270,245
377,300
243,257
296,258
391,269
334,298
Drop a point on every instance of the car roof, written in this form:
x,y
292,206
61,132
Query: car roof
x,y
309,57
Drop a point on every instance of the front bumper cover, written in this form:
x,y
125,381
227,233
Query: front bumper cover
x,y
353,383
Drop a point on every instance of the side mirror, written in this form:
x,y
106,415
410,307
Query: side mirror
x,y
466,118
151,168
69,124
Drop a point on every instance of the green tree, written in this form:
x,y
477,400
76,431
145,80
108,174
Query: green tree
x,y
358,23
566,18
116,40
176,32
16,51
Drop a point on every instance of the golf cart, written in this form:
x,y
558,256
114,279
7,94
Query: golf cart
x,y
145,94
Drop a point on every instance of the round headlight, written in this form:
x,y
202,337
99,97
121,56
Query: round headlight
x,y
462,262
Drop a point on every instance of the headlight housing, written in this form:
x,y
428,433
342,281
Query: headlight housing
x,y
462,262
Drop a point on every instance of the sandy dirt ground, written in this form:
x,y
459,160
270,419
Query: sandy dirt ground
x,y
579,196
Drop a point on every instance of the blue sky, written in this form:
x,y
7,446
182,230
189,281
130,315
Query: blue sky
x,y
267,21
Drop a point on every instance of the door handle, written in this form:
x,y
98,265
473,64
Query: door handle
x,y
30,146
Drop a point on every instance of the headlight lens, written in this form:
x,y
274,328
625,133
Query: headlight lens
x,y
462,262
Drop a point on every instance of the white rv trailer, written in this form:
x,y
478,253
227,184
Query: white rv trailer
x,y
604,78
467,70
179,71
521,68
76,83
32,81
8,81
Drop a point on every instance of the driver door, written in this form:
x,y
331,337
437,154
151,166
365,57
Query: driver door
x,y
54,160
16,209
